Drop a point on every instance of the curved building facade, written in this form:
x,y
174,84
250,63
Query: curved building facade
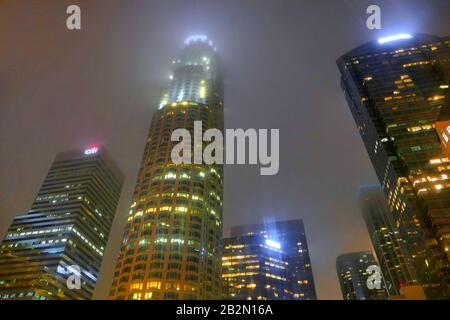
x,y
171,245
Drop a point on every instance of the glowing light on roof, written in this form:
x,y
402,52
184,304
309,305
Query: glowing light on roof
x,y
91,150
273,244
196,38
396,37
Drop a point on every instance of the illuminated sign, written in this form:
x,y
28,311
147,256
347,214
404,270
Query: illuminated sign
x,y
273,244
195,38
198,38
91,150
394,38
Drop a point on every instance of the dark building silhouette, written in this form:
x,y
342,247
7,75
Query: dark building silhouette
x,y
268,261
386,239
65,232
353,275
397,89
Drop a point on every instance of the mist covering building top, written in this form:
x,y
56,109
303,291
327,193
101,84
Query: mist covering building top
x,y
196,73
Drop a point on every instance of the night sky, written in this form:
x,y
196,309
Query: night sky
x,y
62,90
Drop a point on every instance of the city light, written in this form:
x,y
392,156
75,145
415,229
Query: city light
x,y
196,38
91,150
273,244
185,236
396,37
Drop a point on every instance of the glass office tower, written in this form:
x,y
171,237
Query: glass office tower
x,y
171,245
353,275
64,234
398,89
386,239
268,261
255,268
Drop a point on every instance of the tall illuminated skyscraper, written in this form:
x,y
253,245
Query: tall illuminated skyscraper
x,y
65,232
397,89
171,246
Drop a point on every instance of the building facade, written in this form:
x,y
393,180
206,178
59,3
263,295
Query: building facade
x,y
268,261
387,241
255,268
353,273
397,89
55,250
171,247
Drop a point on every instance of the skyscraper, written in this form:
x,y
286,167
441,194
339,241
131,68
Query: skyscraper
x,y
268,261
171,246
255,268
386,239
353,275
65,232
398,89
